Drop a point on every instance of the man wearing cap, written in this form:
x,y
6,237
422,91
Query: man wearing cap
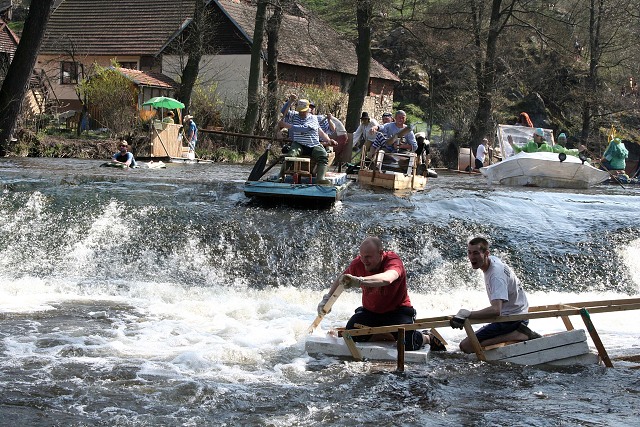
x,y
305,131
532,146
362,136
191,132
387,118
388,130
124,156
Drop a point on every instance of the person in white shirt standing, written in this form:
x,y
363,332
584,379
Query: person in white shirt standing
x,y
481,153
505,295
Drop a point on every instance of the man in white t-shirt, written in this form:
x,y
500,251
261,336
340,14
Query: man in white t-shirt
x,y
505,295
481,153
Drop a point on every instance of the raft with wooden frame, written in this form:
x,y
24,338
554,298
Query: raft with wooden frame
x,y
559,348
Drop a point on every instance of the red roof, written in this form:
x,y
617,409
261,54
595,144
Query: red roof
x,y
148,78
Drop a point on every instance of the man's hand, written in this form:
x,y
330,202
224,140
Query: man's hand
x,y
324,301
457,321
350,281
292,97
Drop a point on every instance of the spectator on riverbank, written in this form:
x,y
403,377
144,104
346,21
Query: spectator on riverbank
x,y
169,118
190,132
385,301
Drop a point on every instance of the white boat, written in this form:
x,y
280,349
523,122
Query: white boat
x,y
540,169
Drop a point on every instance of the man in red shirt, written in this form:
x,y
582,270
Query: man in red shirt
x,y
385,301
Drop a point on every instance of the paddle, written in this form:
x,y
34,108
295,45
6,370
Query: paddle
x,y
258,168
334,296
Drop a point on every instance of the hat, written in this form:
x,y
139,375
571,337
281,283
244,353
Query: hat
x,y
562,136
187,117
123,142
312,104
539,132
364,116
401,113
386,115
302,105
617,140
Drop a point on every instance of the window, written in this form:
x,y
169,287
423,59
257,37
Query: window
x,y
129,65
69,72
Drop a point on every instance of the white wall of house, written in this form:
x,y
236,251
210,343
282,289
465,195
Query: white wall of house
x,y
229,72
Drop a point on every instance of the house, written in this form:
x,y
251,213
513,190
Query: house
x,y
133,33
148,36
8,45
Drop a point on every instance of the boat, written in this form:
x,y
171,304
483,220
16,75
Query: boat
x,y
540,169
393,171
565,347
298,185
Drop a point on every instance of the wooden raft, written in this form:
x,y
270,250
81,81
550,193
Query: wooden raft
x,y
549,349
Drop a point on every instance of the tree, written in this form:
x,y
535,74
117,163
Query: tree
x,y
21,68
197,33
114,97
358,91
273,30
255,73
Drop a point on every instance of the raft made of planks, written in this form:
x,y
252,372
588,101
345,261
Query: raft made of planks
x,y
550,349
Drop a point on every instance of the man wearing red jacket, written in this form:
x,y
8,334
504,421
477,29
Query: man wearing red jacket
x,y
382,277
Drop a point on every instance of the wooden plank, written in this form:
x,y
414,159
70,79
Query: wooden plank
x,y
474,340
400,346
332,299
596,338
355,353
532,346
567,323
372,350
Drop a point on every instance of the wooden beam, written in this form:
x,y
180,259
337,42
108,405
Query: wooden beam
x,y
474,340
596,338
355,353
400,346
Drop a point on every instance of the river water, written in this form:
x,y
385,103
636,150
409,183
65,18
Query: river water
x,y
166,297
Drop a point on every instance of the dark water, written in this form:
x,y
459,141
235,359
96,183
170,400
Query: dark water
x,y
165,297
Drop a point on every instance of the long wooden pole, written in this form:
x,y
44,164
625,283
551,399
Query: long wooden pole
x,y
332,299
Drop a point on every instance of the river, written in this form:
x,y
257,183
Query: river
x,y
165,297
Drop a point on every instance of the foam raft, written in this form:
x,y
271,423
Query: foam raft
x,y
568,347
383,350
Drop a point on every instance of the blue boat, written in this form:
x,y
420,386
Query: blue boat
x,y
273,190
297,185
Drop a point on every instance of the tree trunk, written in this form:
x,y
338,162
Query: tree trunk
x,y
360,87
591,82
196,46
273,32
485,68
21,68
255,74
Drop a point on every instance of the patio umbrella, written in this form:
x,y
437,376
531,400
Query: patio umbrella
x,y
164,102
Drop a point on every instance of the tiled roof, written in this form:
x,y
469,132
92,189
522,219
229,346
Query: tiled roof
x,y
148,78
115,27
307,42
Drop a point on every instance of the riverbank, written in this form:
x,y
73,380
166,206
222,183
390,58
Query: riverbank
x,y
97,146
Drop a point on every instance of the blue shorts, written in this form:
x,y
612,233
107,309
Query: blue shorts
x,y
497,329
